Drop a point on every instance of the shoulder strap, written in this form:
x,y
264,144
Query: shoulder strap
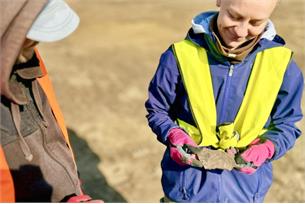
x,y
198,84
262,90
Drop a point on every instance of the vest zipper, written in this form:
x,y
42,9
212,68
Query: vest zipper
x,y
227,86
231,70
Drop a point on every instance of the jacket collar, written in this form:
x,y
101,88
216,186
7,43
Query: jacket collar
x,y
201,34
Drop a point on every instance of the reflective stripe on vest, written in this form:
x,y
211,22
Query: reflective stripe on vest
x,y
262,89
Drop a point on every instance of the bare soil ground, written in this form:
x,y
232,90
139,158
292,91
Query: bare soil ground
x,y
101,74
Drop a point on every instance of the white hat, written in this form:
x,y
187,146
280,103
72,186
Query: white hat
x,y
55,22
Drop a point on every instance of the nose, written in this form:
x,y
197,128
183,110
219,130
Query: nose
x,y
241,30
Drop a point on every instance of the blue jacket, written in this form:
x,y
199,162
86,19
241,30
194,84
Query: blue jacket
x,y
168,100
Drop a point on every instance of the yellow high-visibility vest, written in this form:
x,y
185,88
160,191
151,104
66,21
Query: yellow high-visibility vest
x,y
260,95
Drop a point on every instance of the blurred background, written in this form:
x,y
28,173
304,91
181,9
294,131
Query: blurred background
x,y
101,75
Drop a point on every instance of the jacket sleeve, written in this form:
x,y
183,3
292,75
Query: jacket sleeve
x,y
161,96
286,112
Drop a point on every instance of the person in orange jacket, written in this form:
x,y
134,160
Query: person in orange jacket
x,y
36,159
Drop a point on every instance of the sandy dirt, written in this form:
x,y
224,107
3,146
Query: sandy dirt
x,y
101,74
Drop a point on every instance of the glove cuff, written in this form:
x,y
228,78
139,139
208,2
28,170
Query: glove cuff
x,y
271,148
176,135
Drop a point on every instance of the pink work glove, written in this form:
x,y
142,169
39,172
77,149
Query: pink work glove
x,y
82,199
178,137
257,153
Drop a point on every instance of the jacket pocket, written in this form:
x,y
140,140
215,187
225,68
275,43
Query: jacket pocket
x,y
265,180
185,183
173,178
8,129
44,179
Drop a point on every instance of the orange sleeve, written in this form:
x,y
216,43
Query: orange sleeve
x,y
7,192
47,87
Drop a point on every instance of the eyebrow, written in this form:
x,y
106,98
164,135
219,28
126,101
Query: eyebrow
x,y
235,12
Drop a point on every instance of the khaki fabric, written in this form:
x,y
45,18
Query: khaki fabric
x,y
39,158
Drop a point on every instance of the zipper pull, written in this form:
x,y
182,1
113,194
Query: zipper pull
x,y
231,70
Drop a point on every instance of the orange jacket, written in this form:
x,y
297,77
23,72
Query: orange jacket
x,y
7,192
